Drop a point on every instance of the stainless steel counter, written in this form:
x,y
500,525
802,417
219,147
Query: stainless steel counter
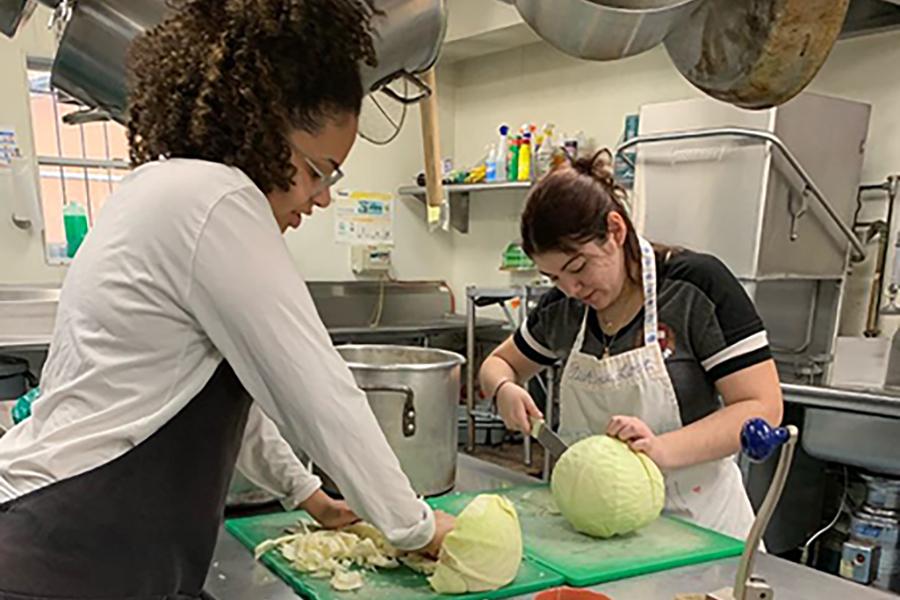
x,y
874,401
235,576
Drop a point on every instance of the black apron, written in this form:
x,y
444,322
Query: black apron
x,y
142,526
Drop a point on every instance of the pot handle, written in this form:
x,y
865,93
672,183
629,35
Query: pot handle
x,y
409,408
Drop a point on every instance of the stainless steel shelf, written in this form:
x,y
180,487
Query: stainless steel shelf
x,y
415,190
458,195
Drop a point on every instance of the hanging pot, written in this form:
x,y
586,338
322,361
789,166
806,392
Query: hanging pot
x,y
604,29
756,53
90,62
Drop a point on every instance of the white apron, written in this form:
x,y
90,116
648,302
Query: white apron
x,y
636,383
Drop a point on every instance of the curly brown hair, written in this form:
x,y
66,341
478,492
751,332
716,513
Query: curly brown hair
x,y
226,80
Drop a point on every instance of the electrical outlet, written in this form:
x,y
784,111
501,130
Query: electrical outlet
x,y
367,260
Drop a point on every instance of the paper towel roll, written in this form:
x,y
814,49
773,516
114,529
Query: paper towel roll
x,y
26,203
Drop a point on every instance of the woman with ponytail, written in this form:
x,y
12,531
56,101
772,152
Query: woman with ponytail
x,y
662,347
186,342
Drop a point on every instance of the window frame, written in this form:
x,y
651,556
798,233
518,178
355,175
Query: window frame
x,y
70,168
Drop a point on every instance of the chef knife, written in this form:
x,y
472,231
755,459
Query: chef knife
x,y
548,439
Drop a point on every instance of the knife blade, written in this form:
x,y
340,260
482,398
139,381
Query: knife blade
x,y
547,438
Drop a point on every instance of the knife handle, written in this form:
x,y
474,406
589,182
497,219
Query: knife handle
x,y
536,424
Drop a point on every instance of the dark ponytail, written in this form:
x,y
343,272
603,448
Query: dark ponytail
x,y
570,205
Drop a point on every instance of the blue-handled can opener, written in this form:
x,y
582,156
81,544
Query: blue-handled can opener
x,y
759,441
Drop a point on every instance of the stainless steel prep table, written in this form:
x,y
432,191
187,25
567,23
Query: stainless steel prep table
x,y
235,576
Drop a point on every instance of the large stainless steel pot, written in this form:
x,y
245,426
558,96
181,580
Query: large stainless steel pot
x,y
414,393
90,62
604,29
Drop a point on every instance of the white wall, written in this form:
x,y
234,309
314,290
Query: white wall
x,y
417,254
537,84
22,252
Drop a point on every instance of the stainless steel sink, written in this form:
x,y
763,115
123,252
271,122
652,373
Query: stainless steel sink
x,y
27,315
852,426
862,440
28,294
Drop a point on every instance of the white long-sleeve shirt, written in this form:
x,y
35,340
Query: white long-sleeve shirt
x,y
186,265
268,461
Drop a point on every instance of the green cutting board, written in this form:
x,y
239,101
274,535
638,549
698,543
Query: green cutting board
x,y
385,584
550,541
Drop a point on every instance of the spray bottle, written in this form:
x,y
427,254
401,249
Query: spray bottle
x,y
490,164
544,157
512,169
502,152
524,167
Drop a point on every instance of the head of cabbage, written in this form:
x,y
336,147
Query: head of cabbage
x,y
603,488
484,550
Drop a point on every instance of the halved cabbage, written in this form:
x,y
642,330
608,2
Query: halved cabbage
x,y
484,550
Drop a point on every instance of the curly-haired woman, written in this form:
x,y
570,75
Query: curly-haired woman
x,y
184,328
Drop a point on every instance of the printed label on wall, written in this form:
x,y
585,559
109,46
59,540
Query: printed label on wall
x,y
364,217
9,146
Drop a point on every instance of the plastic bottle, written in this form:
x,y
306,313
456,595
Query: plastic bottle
x,y
570,145
22,408
76,225
490,172
624,173
544,158
512,169
524,167
502,152
582,145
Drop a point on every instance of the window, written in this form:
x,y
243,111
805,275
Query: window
x,y
80,163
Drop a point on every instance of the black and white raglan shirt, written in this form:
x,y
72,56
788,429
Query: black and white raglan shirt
x,y
708,329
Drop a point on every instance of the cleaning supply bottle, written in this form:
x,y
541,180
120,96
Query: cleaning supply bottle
x,y
543,161
22,408
76,225
570,145
512,169
582,148
536,150
502,152
491,162
524,167
623,171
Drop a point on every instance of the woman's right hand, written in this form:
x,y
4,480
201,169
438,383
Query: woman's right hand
x,y
516,406
443,524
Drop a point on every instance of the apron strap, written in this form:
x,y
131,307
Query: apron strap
x,y
648,276
579,339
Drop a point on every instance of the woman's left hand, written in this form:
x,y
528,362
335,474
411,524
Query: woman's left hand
x,y
329,513
639,438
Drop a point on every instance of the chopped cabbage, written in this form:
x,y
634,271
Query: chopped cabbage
x,y
331,553
345,581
